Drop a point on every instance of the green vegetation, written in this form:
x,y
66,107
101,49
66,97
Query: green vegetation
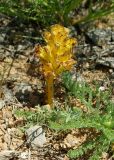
x,y
98,119
41,11
38,116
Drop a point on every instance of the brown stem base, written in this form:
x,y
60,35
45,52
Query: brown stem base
x,y
50,90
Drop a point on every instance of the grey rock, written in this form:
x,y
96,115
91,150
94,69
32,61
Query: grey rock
x,y
7,98
97,51
99,36
101,51
35,136
23,87
8,154
83,49
8,95
106,61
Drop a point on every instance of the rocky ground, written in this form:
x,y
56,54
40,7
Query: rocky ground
x,y
22,85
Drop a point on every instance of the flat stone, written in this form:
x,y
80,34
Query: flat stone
x,y
35,136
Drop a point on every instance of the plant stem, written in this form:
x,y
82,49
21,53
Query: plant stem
x,y
50,89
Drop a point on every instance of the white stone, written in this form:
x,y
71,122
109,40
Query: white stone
x,y
35,136
102,88
7,154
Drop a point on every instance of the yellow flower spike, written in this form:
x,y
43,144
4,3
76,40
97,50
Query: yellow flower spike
x,y
55,56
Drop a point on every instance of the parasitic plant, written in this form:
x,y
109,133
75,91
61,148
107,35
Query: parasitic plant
x,y
55,56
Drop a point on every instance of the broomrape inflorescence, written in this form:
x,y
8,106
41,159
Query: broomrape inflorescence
x,y
55,56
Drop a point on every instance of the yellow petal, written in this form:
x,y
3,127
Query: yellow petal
x,y
47,36
43,53
64,58
69,43
55,29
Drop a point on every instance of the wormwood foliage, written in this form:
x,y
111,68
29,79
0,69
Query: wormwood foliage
x,y
100,117
32,117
